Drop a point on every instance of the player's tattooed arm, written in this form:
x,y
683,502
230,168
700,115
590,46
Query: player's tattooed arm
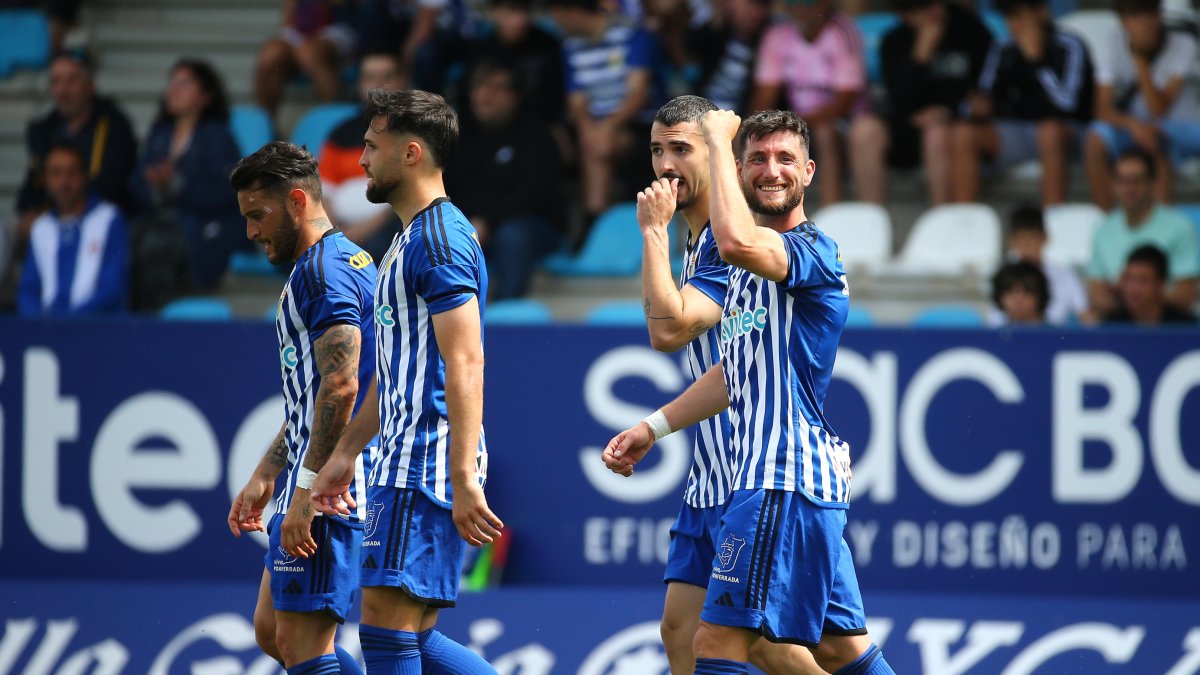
x,y
276,456
337,354
650,314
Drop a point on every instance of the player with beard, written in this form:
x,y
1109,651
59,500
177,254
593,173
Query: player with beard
x,y
425,494
688,315
782,571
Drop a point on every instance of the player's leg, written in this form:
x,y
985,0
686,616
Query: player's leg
x,y
1053,139
680,619
264,619
867,143
722,649
828,151
973,143
388,632
778,658
305,640
935,156
689,563
845,646
442,656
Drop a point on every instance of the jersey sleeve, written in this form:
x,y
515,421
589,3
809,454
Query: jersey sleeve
x,y
806,267
331,293
448,273
711,276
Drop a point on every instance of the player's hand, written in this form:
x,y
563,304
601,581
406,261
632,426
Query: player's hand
x,y
656,204
296,531
331,488
628,448
720,125
246,514
476,523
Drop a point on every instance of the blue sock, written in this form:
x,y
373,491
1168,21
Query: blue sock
x,y
325,664
442,656
871,662
347,663
721,667
389,652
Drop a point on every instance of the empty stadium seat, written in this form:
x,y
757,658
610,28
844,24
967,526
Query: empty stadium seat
x,y
24,40
948,316
617,313
197,309
316,124
517,312
613,247
1069,231
863,232
252,263
873,26
1095,26
251,127
952,239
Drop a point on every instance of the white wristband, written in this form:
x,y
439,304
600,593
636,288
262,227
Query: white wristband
x,y
305,477
659,426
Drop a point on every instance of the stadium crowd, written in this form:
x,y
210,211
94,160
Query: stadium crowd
x,y
555,104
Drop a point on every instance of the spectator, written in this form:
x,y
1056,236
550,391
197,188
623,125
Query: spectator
x,y
505,177
432,36
725,49
76,263
931,62
1035,91
1144,98
87,121
317,38
1143,292
818,57
343,182
183,175
612,95
1137,220
1021,294
1026,242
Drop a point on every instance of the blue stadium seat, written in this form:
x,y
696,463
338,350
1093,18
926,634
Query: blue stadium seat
x,y
873,26
316,124
613,248
24,40
251,127
197,309
252,263
948,316
859,317
517,312
617,313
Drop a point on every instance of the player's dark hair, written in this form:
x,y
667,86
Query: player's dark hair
x,y
1142,156
1023,275
1026,218
1149,254
71,148
1010,7
767,122
1126,7
278,167
681,109
217,108
417,113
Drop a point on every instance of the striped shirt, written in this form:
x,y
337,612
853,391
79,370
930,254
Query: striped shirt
x,y
433,266
780,340
601,69
708,480
330,285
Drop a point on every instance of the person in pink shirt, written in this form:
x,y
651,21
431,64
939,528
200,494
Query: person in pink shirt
x,y
817,60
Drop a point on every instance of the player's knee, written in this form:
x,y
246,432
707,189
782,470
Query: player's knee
x,y
676,634
707,644
264,635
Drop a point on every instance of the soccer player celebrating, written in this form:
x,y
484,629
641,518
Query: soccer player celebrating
x,y
425,494
326,346
782,569
681,316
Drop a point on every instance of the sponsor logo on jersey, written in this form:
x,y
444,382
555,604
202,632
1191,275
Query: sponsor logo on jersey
x,y
385,315
743,322
360,260
288,358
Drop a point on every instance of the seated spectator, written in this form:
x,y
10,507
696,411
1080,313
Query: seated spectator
x,y
725,49
612,95
1034,93
342,179
505,176
1139,219
1144,98
183,176
931,62
317,38
76,264
817,60
1026,242
1021,294
1142,291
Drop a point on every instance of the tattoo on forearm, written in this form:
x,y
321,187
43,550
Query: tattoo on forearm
x,y
337,353
337,350
277,454
646,311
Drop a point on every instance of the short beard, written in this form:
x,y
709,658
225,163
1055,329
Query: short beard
x,y
380,193
792,199
284,242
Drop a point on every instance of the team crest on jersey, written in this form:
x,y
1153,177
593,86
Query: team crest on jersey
x,y
728,554
374,513
360,260
742,322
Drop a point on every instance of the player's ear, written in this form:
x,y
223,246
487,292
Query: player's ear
x,y
297,200
413,152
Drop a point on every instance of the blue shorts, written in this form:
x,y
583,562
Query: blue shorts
x,y
1181,137
327,581
690,558
410,542
783,570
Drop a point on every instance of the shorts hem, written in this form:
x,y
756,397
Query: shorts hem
x,y
845,631
302,608
670,579
440,603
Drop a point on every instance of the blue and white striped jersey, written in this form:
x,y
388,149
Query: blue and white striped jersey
x,y
330,285
780,340
708,480
433,266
